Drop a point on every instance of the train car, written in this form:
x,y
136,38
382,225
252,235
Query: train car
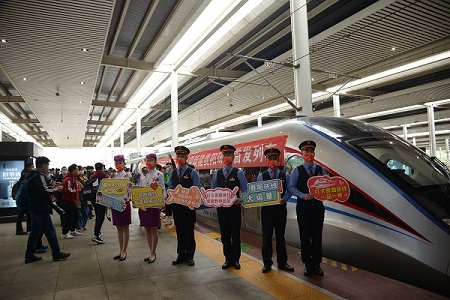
x,y
396,221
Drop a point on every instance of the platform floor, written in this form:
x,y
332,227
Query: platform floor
x,y
91,273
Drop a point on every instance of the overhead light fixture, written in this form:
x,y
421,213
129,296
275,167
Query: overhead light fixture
x,y
82,82
3,40
387,112
81,102
24,79
272,109
84,49
393,49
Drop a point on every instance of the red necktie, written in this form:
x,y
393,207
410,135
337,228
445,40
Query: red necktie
x,y
310,171
274,174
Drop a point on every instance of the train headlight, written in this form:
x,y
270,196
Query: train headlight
x,y
447,221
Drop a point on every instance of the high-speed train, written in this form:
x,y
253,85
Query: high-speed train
x,y
396,221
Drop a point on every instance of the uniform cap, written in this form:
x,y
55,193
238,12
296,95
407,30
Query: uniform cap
x,y
227,148
307,144
271,151
181,149
119,158
150,155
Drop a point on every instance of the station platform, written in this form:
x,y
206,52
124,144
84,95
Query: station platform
x,y
91,273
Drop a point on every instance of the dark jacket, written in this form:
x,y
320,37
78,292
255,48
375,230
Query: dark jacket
x,y
39,192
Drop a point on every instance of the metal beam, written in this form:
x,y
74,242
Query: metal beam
x,y
11,99
146,124
219,73
93,122
108,104
167,107
36,132
25,121
126,63
95,133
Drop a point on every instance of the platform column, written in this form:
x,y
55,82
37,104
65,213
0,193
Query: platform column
x,y
300,55
431,129
174,108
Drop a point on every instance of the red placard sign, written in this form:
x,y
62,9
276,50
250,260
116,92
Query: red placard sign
x,y
329,188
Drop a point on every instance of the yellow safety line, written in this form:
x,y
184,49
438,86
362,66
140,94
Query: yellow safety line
x,y
275,283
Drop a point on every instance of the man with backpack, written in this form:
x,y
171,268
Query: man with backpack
x,y
22,210
89,194
40,207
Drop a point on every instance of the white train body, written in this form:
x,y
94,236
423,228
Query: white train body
x,y
396,221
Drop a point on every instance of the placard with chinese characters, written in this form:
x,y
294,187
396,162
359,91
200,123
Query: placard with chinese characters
x,y
219,197
189,197
147,196
329,188
261,193
112,192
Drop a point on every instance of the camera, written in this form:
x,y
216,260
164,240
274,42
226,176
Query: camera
x,y
58,209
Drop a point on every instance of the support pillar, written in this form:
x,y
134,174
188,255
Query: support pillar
x,y
336,105
174,108
431,129
414,141
300,54
122,140
138,131
259,121
405,132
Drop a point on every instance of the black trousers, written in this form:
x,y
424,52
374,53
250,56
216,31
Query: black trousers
x,y
168,210
19,220
230,231
274,217
70,218
100,212
184,223
310,224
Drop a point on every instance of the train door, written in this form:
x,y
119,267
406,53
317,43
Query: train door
x,y
251,217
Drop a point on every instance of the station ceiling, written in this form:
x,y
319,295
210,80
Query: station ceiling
x,y
73,73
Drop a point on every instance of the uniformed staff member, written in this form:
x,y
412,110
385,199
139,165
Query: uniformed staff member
x,y
310,212
230,217
183,216
274,216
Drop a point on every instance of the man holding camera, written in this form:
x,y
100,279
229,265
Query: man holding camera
x,y
41,207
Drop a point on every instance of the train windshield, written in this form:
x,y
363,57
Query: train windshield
x,y
409,163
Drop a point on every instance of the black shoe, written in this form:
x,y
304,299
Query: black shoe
x,y
32,259
286,267
116,257
318,271
146,259
150,261
21,233
61,256
226,264
266,268
308,271
190,262
178,261
237,265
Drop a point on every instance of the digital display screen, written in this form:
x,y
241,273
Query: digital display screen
x,y
9,174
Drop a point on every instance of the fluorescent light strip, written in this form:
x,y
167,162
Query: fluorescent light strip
x,y
387,112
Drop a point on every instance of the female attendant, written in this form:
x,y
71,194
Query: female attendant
x,y
122,220
150,217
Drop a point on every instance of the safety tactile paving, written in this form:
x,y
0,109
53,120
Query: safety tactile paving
x,y
275,283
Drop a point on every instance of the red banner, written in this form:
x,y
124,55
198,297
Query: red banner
x,y
250,154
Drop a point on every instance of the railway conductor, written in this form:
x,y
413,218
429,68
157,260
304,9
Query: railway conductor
x,y
310,212
230,217
274,216
183,216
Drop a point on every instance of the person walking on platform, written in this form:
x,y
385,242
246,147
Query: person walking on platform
x,y
90,190
23,211
71,190
122,220
230,217
150,217
274,216
183,216
40,208
310,211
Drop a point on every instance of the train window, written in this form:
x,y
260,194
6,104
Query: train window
x,y
405,160
292,162
399,167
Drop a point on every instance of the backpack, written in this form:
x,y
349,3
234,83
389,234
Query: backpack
x,y
22,198
90,188
15,188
